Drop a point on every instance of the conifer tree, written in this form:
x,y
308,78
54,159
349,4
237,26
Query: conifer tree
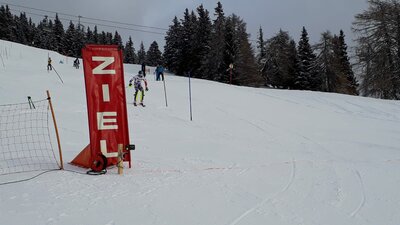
x,y
79,41
280,67
245,71
102,38
327,62
293,64
89,36
3,22
129,52
109,38
117,40
189,57
50,36
202,41
308,77
261,57
215,67
231,44
69,39
350,85
58,32
95,36
141,54
154,56
21,28
43,37
172,50
7,22
30,32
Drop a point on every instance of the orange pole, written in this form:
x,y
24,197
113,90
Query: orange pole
x,y
120,163
55,126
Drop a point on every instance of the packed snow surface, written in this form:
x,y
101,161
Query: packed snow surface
x,y
250,155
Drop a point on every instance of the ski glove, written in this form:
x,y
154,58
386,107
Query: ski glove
x,y
146,88
130,84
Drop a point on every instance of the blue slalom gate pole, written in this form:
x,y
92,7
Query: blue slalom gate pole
x,y
190,98
165,93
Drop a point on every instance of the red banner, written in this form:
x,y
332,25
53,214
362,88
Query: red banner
x,y
106,102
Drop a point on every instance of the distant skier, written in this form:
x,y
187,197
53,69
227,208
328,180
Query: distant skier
x,y
144,69
49,66
159,72
76,63
137,83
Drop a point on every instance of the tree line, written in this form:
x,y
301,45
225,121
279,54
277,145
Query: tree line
x,y
324,66
50,34
208,48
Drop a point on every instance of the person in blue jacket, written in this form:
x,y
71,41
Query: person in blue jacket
x,y
159,72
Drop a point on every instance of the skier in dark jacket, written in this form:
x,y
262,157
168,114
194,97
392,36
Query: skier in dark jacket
x,y
137,83
49,66
76,63
144,69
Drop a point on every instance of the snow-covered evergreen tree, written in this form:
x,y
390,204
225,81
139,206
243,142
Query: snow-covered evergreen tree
x,y
30,35
43,37
6,23
308,77
69,39
21,28
58,33
280,67
261,46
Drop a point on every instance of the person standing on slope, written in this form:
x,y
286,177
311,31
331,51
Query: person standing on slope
x,y
49,66
76,63
137,83
159,72
144,69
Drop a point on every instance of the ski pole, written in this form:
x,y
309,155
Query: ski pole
x,y
190,98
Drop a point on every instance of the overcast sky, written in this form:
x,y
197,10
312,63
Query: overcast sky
x,y
289,15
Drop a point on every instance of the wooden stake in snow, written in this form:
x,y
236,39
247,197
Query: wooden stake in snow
x,y
120,164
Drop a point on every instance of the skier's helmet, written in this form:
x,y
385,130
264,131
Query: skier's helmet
x,y
140,73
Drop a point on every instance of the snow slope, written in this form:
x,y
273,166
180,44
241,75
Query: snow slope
x,y
250,156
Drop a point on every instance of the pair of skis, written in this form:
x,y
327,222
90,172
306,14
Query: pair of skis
x,y
140,104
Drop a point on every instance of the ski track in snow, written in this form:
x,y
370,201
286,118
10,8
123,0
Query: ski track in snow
x,y
363,198
288,185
